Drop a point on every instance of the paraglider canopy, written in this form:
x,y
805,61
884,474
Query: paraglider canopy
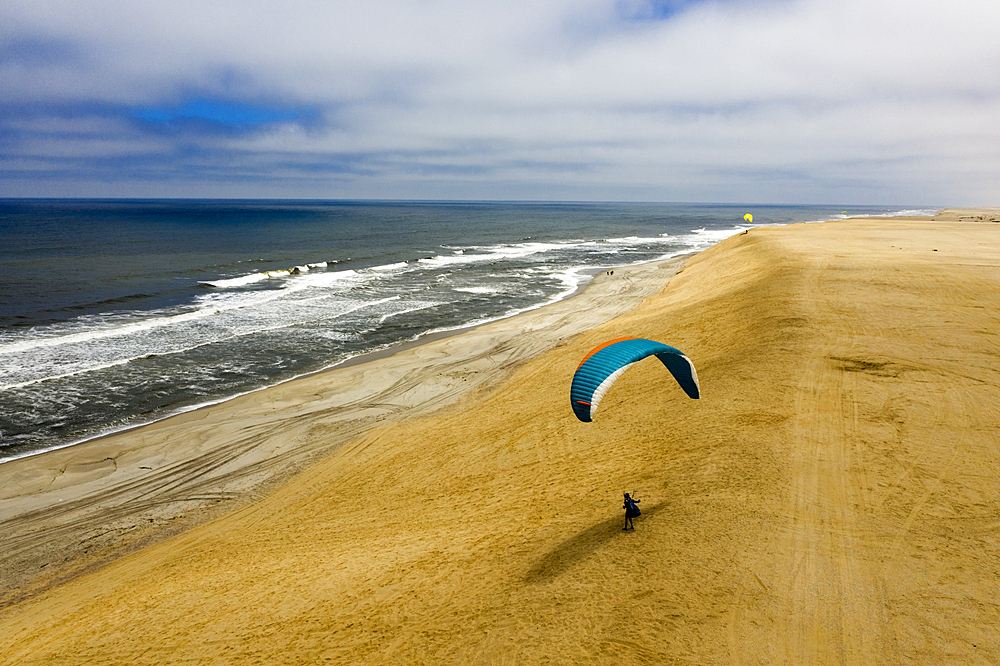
x,y
748,217
606,363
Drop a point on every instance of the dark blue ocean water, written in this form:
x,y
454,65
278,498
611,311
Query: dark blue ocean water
x,y
116,313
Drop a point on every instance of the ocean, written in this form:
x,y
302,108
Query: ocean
x,y
115,313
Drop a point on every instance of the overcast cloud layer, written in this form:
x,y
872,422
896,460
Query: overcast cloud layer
x,y
812,101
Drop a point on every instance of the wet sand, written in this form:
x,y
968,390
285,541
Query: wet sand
x,y
834,497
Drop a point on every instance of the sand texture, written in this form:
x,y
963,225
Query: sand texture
x,y
833,498
73,510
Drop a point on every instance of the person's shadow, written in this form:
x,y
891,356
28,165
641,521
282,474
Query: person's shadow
x,y
581,546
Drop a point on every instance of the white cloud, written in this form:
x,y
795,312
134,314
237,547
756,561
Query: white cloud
x,y
778,100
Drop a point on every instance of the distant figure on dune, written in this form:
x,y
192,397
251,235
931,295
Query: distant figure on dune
x,y
631,511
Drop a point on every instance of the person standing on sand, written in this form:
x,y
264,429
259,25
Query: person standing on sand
x,y
631,511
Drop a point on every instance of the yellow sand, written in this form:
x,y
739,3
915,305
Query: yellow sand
x,y
834,497
75,509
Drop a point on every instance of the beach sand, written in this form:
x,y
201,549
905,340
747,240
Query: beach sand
x,y
834,497
75,509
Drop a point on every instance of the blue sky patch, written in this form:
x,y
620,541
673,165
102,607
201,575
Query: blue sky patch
x,y
224,113
657,10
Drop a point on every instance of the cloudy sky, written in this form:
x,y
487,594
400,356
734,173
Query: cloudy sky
x,y
780,101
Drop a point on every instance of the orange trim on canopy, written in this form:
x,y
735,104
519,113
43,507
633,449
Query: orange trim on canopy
x,y
602,346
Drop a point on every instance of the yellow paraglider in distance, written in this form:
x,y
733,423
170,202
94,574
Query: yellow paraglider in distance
x,y
748,217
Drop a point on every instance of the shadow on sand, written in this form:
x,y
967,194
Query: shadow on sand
x,y
580,546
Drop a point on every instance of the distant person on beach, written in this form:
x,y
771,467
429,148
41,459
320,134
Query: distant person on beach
x,y
631,511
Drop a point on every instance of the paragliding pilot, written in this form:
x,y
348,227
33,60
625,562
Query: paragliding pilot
x,y
631,511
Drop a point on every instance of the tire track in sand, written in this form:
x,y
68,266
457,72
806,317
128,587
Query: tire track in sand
x,y
827,592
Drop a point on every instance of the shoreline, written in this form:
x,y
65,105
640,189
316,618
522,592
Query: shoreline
x,y
362,357
65,488
138,421
87,433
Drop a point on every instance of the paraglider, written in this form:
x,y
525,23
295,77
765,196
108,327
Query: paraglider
x,y
748,217
631,511
605,364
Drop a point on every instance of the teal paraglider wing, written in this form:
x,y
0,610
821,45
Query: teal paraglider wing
x,y
605,364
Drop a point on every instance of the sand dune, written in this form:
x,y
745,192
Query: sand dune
x,y
834,497
74,510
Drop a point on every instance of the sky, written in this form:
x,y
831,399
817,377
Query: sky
x,y
744,101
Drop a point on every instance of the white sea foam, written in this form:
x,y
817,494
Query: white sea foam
x,y
72,373
478,290
572,278
253,278
495,253
244,280
94,342
638,240
909,212
492,253
414,306
91,354
390,267
101,330
317,284
326,279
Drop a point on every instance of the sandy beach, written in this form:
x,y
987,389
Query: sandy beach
x,y
74,509
833,498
